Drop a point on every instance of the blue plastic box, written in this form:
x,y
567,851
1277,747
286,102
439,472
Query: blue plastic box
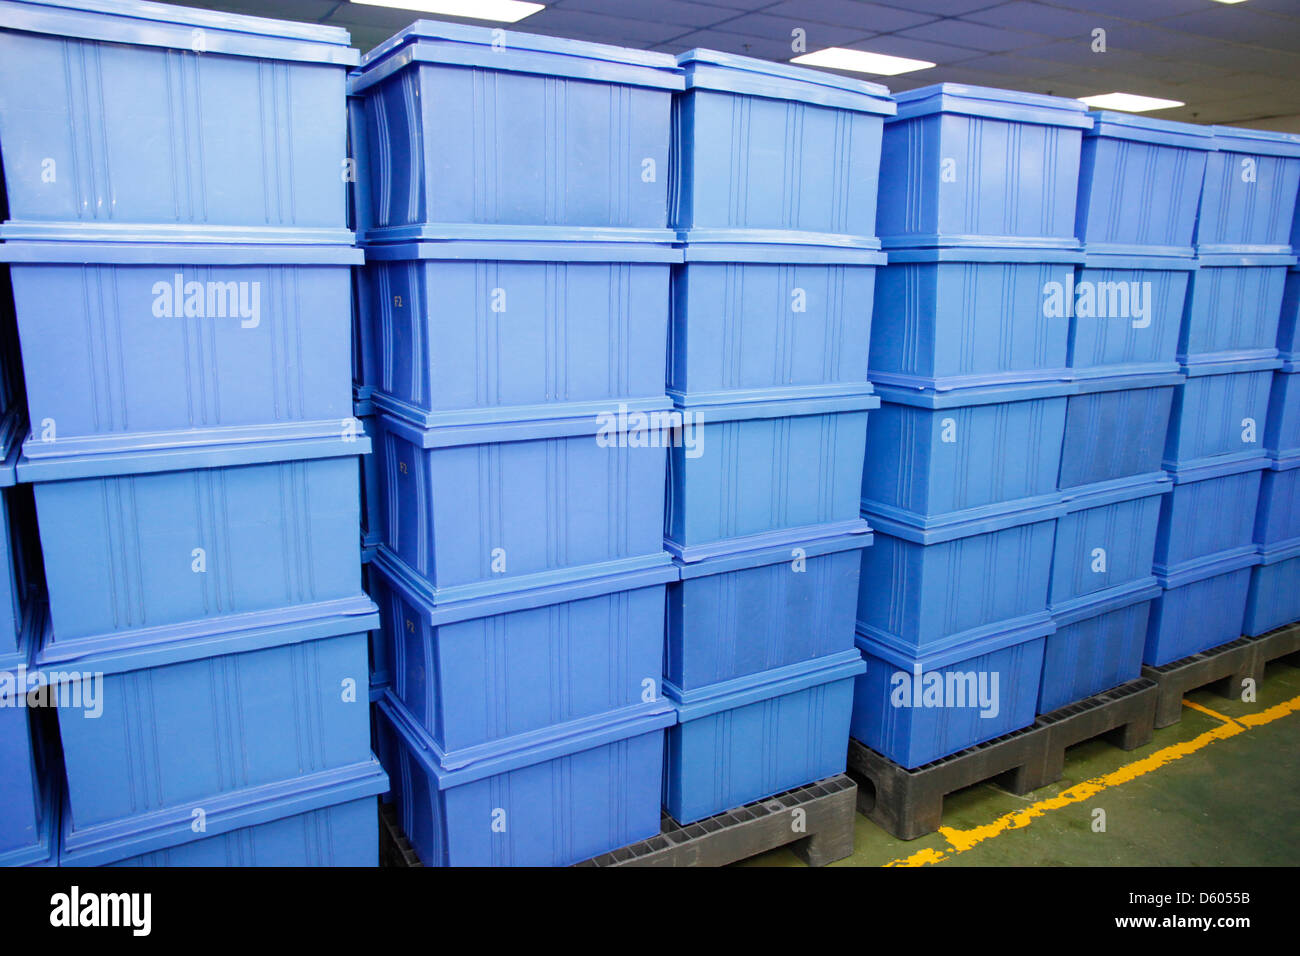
x,y
28,808
1097,645
969,165
1249,195
754,736
1106,539
345,834
371,515
914,710
552,798
1274,596
474,126
767,146
474,672
1115,428
954,318
747,318
479,510
1132,312
1287,343
28,818
929,454
20,573
181,344
735,615
1139,184
925,588
750,475
1234,304
1211,510
1282,433
1277,519
142,121
1202,605
507,331
157,741
1221,411
155,546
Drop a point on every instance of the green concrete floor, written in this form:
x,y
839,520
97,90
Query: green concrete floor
x,y
1233,802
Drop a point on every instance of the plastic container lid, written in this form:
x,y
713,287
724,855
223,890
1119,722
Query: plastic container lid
x,y
855,537
1185,262
266,237
786,401
776,246
978,395
935,529
145,453
1277,553
1010,250
765,685
1146,129
1208,566
985,101
454,44
598,245
1230,366
1087,606
1257,141
142,648
465,765
729,73
160,253
524,592
1115,490
141,23
150,832
968,645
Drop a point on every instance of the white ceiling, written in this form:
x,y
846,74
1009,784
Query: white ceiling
x,y
1236,63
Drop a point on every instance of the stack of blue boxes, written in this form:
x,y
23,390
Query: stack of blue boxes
x,y
977,215
1216,447
1274,596
1138,189
515,309
28,802
180,268
774,183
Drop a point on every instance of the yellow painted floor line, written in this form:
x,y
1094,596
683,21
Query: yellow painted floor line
x,y
1209,713
959,841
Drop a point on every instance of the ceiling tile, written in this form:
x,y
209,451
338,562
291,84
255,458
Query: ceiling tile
x,y
974,36
897,45
869,17
940,8
1040,18
1017,66
1139,10
673,12
595,26
817,35
1239,25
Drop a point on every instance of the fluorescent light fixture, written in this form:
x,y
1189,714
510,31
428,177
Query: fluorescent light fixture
x,y
1129,102
1229,1
500,11
860,61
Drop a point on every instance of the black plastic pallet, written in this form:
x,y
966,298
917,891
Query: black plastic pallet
x,y
815,821
1224,670
1125,716
394,848
909,803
